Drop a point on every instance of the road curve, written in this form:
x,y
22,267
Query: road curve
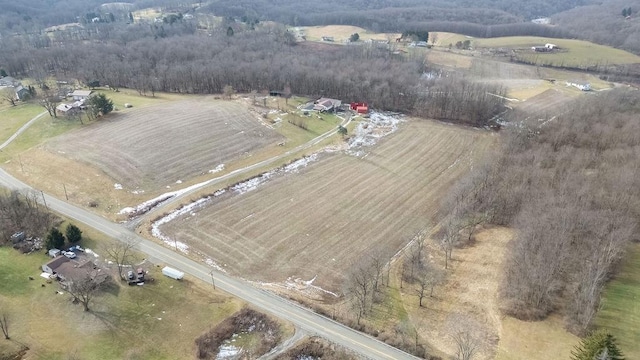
x,y
22,129
303,318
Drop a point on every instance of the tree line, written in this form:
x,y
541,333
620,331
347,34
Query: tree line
x,y
570,187
257,60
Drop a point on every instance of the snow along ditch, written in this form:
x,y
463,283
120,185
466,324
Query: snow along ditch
x,y
368,132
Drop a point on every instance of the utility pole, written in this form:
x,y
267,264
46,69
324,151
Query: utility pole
x,y
213,281
65,191
43,199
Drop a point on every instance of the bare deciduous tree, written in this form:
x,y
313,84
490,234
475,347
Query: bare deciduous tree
x,y
8,94
4,325
49,100
83,287
467,334
121,253
360,288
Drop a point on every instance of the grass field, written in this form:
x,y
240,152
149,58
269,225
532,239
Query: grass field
x,y
574,53
319,221
620,312
12,118
341,33
149,322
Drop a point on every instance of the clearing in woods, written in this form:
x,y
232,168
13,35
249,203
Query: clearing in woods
x,y
341,33
155,146
314,224
571,53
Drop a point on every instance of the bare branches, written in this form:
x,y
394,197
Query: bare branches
x,y
4,325
467,334
84,286
121,253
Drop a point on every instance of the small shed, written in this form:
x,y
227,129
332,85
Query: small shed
x,y
54,252
172,273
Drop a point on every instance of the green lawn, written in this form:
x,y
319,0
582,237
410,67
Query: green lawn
x,y
12,118
620,312
579,53
159,320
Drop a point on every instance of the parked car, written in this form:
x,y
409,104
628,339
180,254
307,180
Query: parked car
x,y
69,254
130,275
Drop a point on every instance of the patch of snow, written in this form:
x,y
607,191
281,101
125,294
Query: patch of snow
x,y
253,183
217,169
370,131
186,209
228,351
89,251
179,182
137,192
117,186
213,264
299,285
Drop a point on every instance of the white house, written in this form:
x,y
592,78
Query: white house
x,y
550,46
584,86
81,94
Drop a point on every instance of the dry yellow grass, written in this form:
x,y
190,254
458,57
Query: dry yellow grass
x,y
472,290
341,33
449,59
537,340
445,38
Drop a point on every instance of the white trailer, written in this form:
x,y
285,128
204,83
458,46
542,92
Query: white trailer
x,y
172,273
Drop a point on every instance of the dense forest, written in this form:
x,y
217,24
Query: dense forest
x,y
570,187
615,22
173,58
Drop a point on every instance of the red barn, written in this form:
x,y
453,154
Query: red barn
x,y
361,108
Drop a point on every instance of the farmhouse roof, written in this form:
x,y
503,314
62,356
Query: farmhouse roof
x,y
71,270
81,93
8,81
56,262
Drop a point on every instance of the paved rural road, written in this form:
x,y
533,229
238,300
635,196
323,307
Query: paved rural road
x,y
305,319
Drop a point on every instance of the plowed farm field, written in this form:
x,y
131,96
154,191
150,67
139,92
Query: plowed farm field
x,y
158,145
314,224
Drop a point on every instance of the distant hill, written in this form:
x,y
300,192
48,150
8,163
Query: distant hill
x,y
604,23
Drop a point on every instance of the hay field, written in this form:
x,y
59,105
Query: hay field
x,y
341,33
549,103
578,53
319,221
158,145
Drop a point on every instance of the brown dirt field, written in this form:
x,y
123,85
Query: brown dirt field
x,y
548,103
319,221
158,145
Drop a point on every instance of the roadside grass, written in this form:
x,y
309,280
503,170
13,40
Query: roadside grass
x,y
12,118
620,311
574,53
159,320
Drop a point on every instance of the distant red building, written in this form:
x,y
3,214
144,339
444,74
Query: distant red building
x,y
360,107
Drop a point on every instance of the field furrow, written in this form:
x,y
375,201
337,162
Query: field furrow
x,y
321,220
